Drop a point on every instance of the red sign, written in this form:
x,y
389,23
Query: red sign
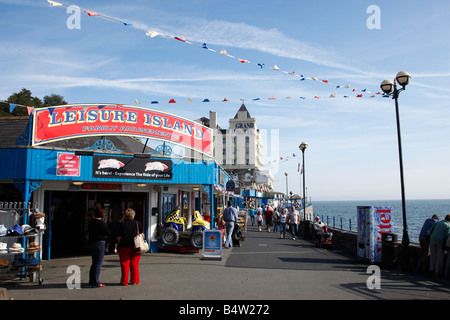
x,y
101,186
68,164
78,120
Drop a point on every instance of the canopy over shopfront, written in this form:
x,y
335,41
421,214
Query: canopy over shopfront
x,y
67,158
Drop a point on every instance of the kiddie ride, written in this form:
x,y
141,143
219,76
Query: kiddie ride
x,y
177,237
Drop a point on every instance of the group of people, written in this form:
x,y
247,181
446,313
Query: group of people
x,y
434,239
129,258
276,218
283,219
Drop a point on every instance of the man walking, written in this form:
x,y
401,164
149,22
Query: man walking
x,y
230,216
294,221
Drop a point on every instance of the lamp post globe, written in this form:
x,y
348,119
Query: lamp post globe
x,y
303,146
403,78
387,86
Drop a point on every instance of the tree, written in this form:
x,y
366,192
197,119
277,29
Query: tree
x,y
25,98
54,100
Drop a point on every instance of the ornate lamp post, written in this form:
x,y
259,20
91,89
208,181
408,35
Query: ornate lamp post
x,y
287,194
390,87
303,147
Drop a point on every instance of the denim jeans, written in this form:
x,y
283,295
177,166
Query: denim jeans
x,y
283,228
275,226
229,227
97,252
294,229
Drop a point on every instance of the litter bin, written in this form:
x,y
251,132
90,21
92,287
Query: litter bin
x,y
389,251
306,229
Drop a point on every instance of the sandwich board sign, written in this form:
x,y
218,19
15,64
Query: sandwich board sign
x,y
212,244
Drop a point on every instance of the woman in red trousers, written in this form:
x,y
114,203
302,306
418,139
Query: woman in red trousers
x,y
129,258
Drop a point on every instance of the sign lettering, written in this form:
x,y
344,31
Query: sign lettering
x,y
74,121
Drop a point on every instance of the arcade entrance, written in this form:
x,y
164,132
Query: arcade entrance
x,y
69,214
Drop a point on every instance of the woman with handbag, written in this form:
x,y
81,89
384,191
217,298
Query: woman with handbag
x,y
128,255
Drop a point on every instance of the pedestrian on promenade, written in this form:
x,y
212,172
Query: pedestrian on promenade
x,y
221,224
318,230
129,258
98,233
424,241
275,219
230,216
268,217
259,209
259,220
283,219
438,238
294,221
252,213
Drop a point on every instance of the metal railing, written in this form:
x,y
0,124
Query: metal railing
x,y
334,222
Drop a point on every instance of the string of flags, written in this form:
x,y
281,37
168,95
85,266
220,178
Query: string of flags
x,y
272,98
12,106
223,52
281,160
30,109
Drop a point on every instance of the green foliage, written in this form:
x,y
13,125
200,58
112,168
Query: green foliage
x,y
25,98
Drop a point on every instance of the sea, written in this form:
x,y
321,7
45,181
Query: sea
x,y
344,213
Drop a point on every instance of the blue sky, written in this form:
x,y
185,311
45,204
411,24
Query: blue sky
x,y
352,153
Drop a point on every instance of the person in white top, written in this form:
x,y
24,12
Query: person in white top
x,y
283,219
294,221
318,225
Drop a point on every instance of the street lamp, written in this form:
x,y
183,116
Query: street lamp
x,y
389,87
286,174
303,147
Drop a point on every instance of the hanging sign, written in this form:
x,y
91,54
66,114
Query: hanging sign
x,y
75,121
131,168
68,164
230,186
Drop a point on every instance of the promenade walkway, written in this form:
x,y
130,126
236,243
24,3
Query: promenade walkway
x,y
264,268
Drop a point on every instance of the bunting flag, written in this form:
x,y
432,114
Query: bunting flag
x,y
272,98
281,160
12,106
204,46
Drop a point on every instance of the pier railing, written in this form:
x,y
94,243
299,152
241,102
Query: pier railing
x,y
334,222
348,224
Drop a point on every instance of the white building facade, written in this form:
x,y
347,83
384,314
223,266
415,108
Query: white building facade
x,y
239,150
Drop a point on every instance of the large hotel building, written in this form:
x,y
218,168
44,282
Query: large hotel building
x,y
239,150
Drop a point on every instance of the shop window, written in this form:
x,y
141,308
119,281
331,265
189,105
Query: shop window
x,y
169,202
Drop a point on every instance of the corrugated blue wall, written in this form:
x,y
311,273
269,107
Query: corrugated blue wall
x,y
13,163
41,165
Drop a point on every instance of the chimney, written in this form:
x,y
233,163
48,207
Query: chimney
x,y
213,119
